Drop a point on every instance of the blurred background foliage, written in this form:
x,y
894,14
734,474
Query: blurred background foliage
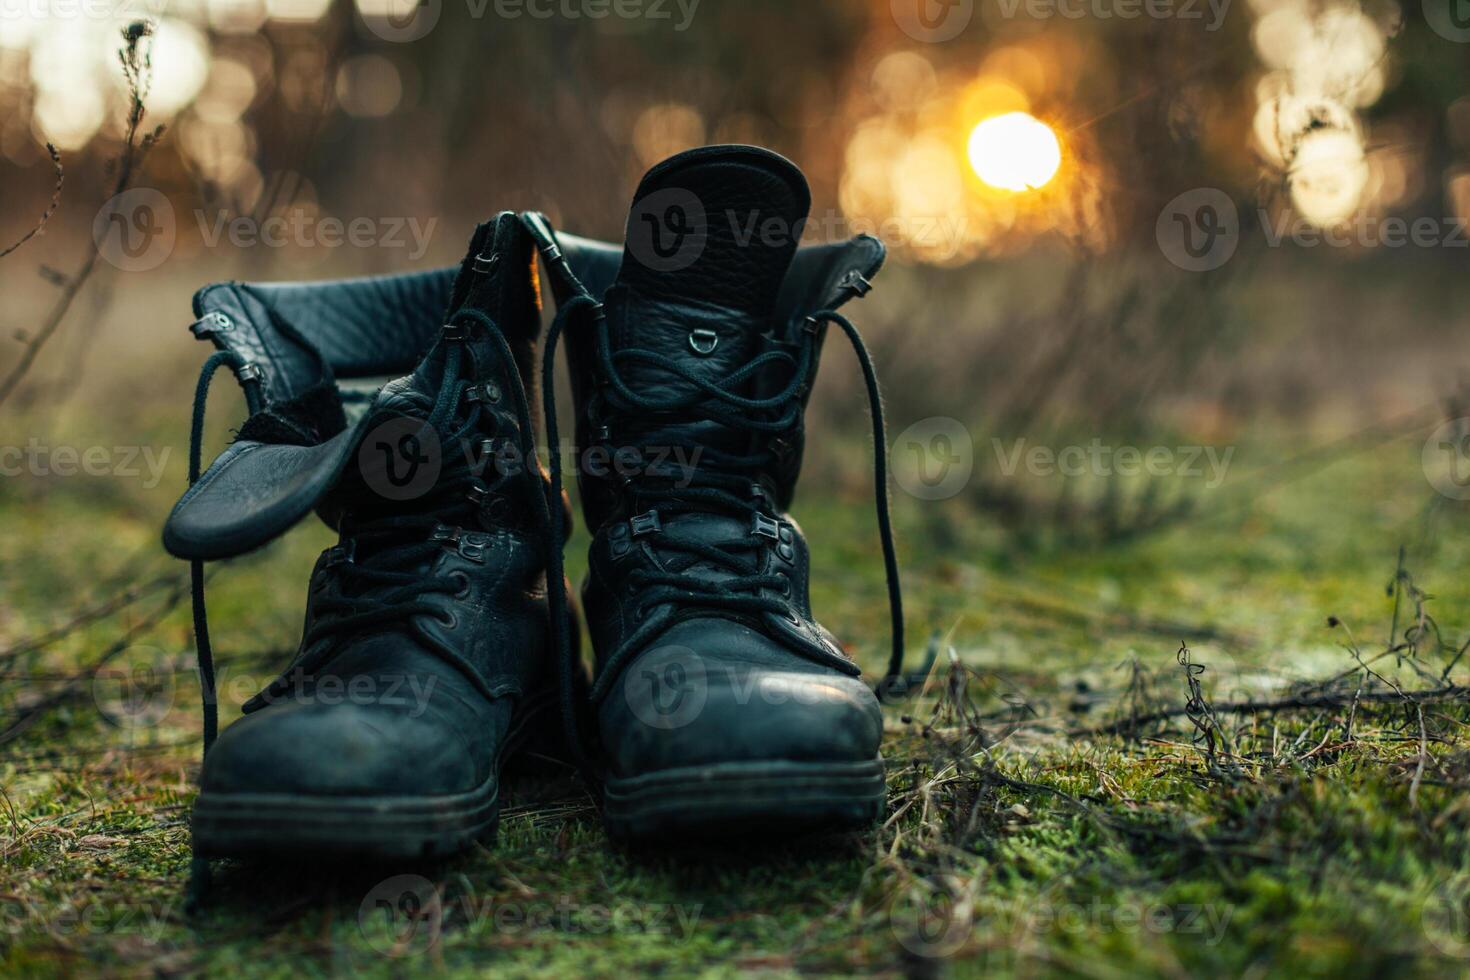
x,y
1028,295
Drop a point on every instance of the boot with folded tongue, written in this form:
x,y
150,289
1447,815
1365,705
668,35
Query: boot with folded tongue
x,y
719,704
421,668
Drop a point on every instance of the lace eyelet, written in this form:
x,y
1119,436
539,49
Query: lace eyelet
x,y
464,584
447,619
785,586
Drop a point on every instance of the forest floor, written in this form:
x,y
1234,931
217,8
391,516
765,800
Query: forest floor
x,y
1062,800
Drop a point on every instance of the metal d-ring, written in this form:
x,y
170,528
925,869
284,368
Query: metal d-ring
x,y
703,342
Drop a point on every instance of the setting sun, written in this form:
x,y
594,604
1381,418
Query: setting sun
x,y
1014,152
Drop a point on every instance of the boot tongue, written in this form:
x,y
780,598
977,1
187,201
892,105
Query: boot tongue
x,y
709,240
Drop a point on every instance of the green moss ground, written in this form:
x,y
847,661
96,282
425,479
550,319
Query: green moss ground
x,y
1017,846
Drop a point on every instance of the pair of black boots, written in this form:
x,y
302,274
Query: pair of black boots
x,y
439,639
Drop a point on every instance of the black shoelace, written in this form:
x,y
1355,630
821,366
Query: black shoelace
x,y
714,486
382,584
384,588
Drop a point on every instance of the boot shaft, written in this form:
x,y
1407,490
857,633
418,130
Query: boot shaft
x,y
711,284
499,277
456,409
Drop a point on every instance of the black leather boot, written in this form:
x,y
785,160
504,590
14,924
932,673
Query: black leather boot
x,y
424,658
721,706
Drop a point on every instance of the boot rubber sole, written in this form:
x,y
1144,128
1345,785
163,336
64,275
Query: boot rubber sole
x,y
384,828
736,799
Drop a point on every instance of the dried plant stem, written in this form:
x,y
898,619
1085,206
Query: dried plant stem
x,y
40,225
137,69
1439,695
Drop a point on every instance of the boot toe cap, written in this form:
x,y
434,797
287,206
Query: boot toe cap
x,y
336,750
723,694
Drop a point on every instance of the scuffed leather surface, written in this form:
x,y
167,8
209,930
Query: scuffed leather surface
x,y
730,285
496,627
726,285
439,688
424,730
499,625
610,601
253,493
755,703
754,296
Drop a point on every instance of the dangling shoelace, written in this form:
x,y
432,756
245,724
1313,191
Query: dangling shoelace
x,y
719,489
400,542
204,654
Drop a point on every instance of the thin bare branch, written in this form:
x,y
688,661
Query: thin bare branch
x,y
40,225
